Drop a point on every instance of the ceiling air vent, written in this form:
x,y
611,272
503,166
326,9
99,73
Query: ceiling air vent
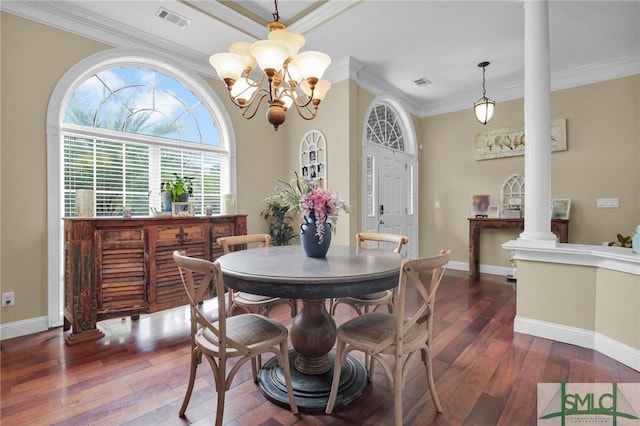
x,y
173,17
422,82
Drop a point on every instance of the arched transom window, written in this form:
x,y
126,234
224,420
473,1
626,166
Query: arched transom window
x,y
385,128
127,129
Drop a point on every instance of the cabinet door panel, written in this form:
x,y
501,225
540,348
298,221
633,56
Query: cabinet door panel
x,y
122,270
168,290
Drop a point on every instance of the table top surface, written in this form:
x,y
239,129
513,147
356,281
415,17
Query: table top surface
x,y
285,271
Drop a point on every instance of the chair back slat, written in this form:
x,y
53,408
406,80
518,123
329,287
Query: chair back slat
x,y
231,243
398,240
413,274
210,272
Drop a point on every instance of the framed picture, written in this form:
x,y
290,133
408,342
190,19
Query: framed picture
x,y
182,209
494,212
480,205
560,208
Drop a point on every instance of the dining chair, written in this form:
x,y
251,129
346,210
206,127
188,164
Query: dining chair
x,y
244,336
248,302
380,298
402,335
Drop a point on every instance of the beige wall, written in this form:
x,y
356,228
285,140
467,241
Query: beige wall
x,y
34,58
588,298
602,161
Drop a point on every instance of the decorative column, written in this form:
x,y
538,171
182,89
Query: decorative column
x,y
537,127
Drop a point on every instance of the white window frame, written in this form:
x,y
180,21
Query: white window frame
x,y
55,114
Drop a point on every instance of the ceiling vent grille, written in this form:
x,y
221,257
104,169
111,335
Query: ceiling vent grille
x,y
173,17
422,82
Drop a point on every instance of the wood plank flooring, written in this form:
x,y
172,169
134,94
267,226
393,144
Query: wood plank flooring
x,y
136,375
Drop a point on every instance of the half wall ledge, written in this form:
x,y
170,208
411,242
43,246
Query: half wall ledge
x,y
581,294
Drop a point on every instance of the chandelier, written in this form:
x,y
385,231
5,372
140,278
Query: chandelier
x,y
273,69
484,107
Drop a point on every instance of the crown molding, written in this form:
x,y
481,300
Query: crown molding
x,y
579,76
69,17
322,14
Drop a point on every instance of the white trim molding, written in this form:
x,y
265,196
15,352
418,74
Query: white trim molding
x,y
580,337
23,328
608,310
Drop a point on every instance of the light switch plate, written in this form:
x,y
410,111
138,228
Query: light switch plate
x,y
607,203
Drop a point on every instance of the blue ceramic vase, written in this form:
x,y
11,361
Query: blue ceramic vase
x,y
310,241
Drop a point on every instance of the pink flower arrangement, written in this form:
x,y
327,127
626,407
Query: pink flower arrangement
x,y
323,205
307,197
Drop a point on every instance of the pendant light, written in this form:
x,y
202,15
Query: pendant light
x,y
484,107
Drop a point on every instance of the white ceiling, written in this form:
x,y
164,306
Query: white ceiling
x,y
384,45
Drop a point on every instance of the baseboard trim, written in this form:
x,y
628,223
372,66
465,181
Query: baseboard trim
x,y
484,269
576,336
23,328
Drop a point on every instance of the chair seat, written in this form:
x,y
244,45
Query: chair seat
x,y
368,330
247,330
248,298
371,297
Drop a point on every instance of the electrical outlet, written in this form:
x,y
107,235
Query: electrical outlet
x,y
8,299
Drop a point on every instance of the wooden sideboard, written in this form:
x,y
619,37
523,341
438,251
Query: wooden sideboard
x,y
116,267
559,226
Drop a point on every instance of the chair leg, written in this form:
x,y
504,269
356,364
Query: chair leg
x,y
221,389
286,368
426,357
340,346
254,369
195,357
398,385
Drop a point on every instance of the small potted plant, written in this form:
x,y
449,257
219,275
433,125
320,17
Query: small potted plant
x,y
279,219
177,189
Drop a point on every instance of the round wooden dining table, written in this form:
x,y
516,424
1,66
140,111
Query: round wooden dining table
x,y
286,271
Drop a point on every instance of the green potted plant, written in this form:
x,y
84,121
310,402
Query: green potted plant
x,y
177,189
279,219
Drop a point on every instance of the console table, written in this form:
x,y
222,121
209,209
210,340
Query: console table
x,y
116,267
559,226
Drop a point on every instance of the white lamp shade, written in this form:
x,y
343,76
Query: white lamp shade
x,y
242,48
312,64
320,90
243,89
228,65
294,73
292,40
269,54
484,109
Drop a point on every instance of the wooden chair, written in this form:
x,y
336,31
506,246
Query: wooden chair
x,y
381,298
402,337
244,336
248,302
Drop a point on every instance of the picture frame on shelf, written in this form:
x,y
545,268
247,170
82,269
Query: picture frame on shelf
x,y
493,212
560,208
480,205
182,209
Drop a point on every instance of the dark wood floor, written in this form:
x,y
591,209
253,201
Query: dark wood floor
x,y
485,373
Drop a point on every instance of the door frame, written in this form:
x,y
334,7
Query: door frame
x,y
411,150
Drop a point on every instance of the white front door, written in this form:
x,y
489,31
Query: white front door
x,y
388,183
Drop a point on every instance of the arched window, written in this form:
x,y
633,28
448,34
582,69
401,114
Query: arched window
x,y
384,127
120,123
126,129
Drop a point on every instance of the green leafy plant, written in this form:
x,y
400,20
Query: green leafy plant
x,y
279,219
177,186
622,241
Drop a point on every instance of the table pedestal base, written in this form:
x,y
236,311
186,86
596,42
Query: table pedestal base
x,y
312,391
